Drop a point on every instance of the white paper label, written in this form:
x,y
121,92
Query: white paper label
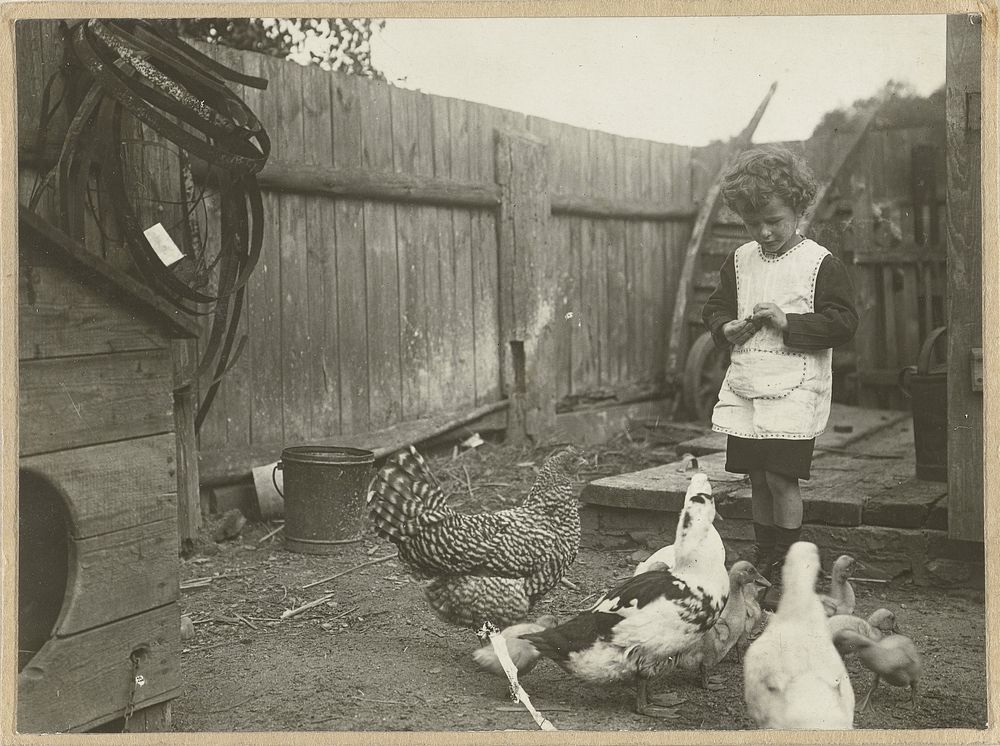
x,y
163,244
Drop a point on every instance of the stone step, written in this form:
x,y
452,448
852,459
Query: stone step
x,y
925,556
846,425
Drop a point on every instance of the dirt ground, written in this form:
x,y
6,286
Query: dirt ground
x,y
375,657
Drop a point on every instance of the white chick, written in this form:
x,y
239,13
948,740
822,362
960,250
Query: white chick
x,y
523,654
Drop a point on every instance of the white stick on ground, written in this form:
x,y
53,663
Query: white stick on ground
x,y
517,691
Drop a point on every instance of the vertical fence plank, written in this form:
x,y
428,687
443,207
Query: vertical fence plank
x,y
412,253
266,414
296,375
490,346
321,262
474,354
351,283
602,174
586,344
562,260
618,299
382,271
234,393
449,387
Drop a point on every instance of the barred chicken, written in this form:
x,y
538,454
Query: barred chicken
x,y
488,566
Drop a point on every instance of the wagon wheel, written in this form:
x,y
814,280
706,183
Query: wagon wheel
x,y
704,370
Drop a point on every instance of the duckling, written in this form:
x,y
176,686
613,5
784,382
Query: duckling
x,y
840,598
793,676
893,658
739,616
883,621
522,654
635,631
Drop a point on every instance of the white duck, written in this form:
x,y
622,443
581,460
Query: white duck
x,y
636,628
523,654
793,676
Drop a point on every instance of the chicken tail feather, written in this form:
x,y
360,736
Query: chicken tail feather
x,y
403,496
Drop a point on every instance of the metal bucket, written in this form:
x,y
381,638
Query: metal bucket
x,y
926,384
324,496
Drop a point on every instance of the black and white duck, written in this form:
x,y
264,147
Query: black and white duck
x,y
635,631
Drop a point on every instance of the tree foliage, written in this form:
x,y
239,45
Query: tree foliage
x,y
902,108
332,43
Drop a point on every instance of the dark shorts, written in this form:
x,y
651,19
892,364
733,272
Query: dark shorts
x,y
790,458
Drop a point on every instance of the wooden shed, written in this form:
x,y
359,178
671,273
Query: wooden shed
x,y
106,439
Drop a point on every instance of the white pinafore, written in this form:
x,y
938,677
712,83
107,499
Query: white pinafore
x,y
770,389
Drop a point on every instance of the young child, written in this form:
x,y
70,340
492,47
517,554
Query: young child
x,y
782,303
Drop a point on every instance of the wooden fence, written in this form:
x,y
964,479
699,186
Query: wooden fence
x,y
381,293
390,288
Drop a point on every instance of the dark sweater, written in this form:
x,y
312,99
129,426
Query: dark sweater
x,y
833,323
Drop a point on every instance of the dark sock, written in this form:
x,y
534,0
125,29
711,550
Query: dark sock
x,y
763,548
784,538
764,535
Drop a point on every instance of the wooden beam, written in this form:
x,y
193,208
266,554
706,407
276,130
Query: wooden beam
x,y
595,207
527,283
185,358
965,274
222,466
383,186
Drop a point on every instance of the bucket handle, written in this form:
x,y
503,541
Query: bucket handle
x,y
274,481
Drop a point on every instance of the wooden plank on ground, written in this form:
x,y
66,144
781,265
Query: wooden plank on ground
x,y
142,559
92,672
225,466
114,485
351,288
382,276
105,398
846,425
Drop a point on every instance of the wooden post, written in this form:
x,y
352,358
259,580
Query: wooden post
x,y
965,271
527,285
188,488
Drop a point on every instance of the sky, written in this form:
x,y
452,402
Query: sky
x,y
680,80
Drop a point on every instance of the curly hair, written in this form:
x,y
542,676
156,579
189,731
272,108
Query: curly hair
x,y
765,172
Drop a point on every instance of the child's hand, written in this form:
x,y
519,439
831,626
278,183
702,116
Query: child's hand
x,y
769,313
739,331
